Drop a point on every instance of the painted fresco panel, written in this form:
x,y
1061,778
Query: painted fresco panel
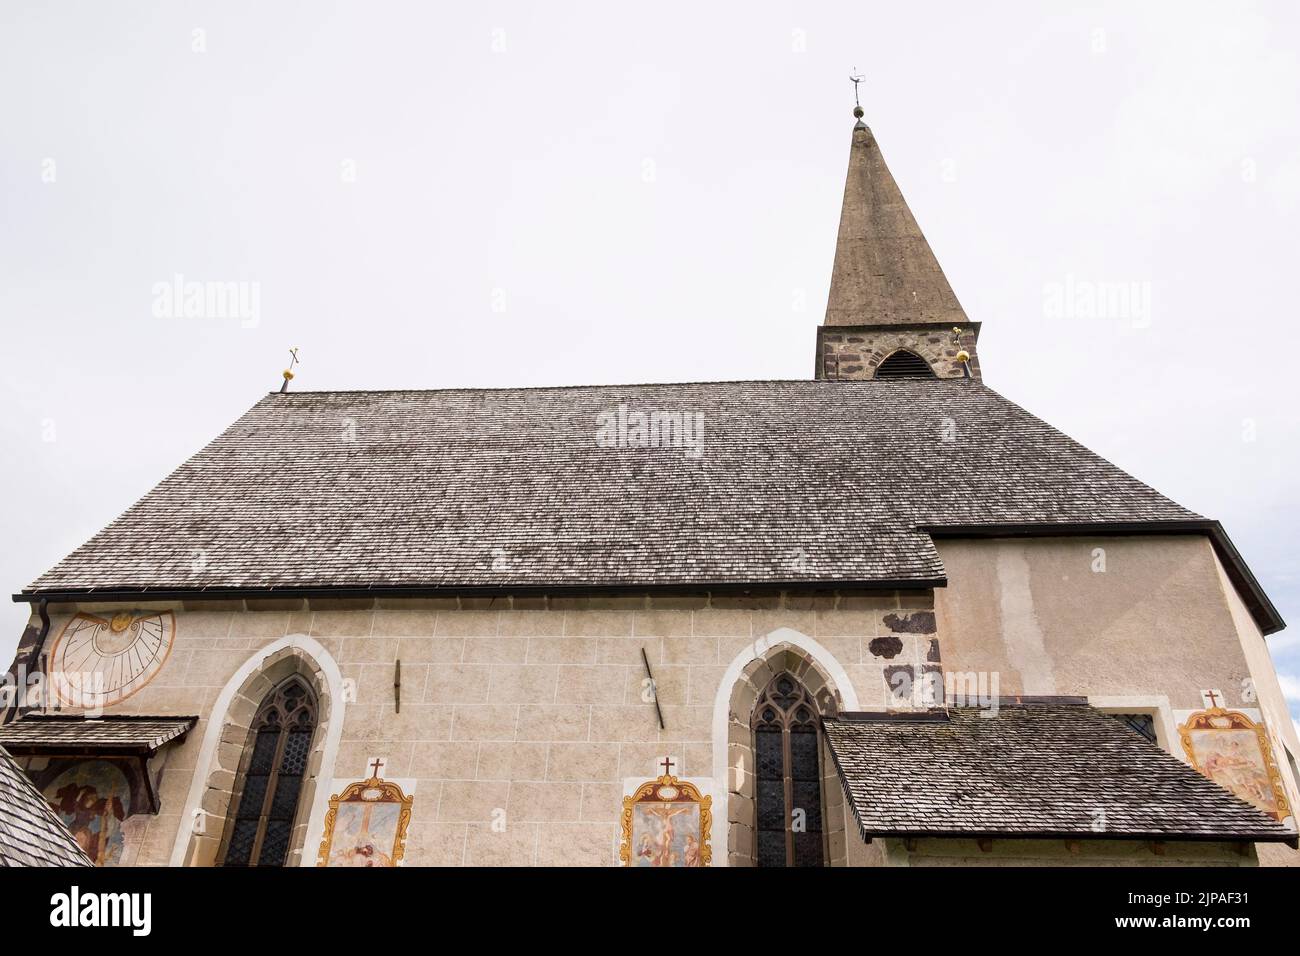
x,y
1232,749
92,798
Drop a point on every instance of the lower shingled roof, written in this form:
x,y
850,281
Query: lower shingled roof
x,y
109,733
30,832
1029,770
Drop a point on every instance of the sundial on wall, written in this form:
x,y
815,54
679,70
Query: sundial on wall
x,y
99,661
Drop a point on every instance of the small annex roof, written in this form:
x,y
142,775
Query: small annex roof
x,y
31,834
108,734
1029,769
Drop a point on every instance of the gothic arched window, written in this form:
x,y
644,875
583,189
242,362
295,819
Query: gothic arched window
x,y
788,811
270,778
905,364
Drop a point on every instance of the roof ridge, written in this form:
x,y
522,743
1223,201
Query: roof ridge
x,y
579,387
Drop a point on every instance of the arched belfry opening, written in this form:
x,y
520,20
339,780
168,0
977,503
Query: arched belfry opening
x,y
905,364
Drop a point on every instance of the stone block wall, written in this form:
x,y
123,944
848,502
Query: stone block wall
x,y
520,720
533,712
852,353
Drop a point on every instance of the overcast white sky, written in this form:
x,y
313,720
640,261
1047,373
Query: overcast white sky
x,y
526,194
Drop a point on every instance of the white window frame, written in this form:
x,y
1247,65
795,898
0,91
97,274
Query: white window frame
x,y
1157,706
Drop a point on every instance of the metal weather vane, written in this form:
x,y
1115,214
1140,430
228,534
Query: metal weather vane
x,y
288,373
856,78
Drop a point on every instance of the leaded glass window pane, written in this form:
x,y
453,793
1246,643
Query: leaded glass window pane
x,y
253,798
771,805
270,783
803,755
268,738
296,750
771,848
241,843
1143,724
285,802
275,845
808,849
769,752
788,812
807,798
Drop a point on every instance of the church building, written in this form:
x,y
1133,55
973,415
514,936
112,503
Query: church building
x,y
878,617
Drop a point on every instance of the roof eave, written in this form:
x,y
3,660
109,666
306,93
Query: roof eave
x,y
1290,839
208,593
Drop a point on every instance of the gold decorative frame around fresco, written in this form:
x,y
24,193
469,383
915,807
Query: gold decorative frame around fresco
x,y
667,789
353,793
1203,720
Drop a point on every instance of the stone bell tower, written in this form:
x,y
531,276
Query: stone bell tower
x,y
891,311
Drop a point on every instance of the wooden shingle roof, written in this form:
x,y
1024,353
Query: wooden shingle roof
x,y
790,482
30,832
1029,770
109,733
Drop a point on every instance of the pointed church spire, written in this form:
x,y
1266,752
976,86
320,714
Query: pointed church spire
x,y
884,269
891,312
